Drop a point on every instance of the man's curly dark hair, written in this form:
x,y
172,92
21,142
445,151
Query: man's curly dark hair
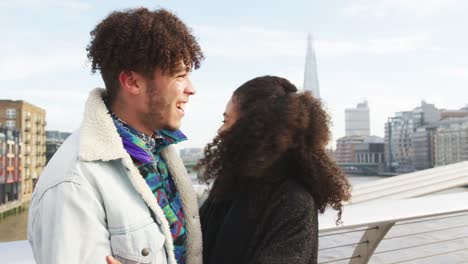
x,y
280,133
141,40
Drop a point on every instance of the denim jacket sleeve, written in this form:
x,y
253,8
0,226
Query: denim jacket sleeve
x,y
68,225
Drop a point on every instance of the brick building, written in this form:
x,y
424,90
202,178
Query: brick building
x,y
10,165
29,120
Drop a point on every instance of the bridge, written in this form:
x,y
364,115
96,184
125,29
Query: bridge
x,y
381,205
384,222
418,225
190,166
413,184
361,168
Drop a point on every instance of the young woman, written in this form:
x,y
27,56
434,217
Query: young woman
x,y
271,176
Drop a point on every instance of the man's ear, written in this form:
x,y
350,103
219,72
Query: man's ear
x,y
131,82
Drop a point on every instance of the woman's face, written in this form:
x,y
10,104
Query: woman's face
x,y
230,116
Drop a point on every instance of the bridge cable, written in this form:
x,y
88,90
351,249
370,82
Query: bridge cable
x,y
336,260
429,256
425,232
345,245
426,244
347,232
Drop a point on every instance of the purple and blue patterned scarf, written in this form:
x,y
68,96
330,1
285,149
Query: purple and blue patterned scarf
x,y
145,152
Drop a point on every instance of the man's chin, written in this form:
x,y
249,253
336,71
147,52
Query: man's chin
x,y
172,127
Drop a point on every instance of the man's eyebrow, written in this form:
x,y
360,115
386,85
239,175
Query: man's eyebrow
x,y
224,114
181,68
180,71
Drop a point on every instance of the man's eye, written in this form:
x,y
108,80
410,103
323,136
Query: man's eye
x,y
182,75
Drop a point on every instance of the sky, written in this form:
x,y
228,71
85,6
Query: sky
x,y
393,53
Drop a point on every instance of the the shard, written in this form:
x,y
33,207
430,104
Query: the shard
x,y
310,72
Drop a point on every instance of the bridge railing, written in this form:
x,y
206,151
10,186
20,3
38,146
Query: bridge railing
x,y
425,229
413,184
431,228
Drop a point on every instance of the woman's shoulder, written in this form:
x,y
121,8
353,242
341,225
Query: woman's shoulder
x,y
292,195
293,189
291,205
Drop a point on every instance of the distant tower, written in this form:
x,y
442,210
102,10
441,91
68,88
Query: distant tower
x,y
310,72
357,120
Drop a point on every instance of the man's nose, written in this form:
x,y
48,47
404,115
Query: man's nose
x,y
190,89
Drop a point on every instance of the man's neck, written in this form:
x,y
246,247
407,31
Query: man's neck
x,y
130,118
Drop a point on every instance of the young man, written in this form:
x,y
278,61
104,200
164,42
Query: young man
x,y
117,186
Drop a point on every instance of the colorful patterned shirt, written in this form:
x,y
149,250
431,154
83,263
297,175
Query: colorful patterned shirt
x,y
145,152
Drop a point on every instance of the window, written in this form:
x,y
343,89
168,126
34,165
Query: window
x,y
11,123
11,113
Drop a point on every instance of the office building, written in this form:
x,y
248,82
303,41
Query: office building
x,y
54,140
400,132
451,141
357,120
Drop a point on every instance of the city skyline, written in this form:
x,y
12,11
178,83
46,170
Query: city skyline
x,y
392,53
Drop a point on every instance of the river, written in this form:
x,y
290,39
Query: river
x,y
14,227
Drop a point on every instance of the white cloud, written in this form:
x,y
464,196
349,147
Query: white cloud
x,y
460,72
257,42
249,42
63,105
380,8
68,4
23,65
379,46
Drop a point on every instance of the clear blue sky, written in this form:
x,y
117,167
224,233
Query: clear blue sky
x,y
394,53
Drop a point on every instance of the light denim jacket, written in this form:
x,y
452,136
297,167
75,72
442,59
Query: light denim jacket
x,y
91,201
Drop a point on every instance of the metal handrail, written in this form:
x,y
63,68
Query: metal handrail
x,y
346,232
431,219
393,237
371,221
413,184
372,228
425,232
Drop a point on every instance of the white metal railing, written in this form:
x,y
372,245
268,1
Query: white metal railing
x,y
16,252
413,184
398,231
379,231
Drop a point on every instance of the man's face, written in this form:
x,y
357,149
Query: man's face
x,y
166,96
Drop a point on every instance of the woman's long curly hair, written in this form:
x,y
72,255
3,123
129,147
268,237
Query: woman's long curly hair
x,y
280,133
